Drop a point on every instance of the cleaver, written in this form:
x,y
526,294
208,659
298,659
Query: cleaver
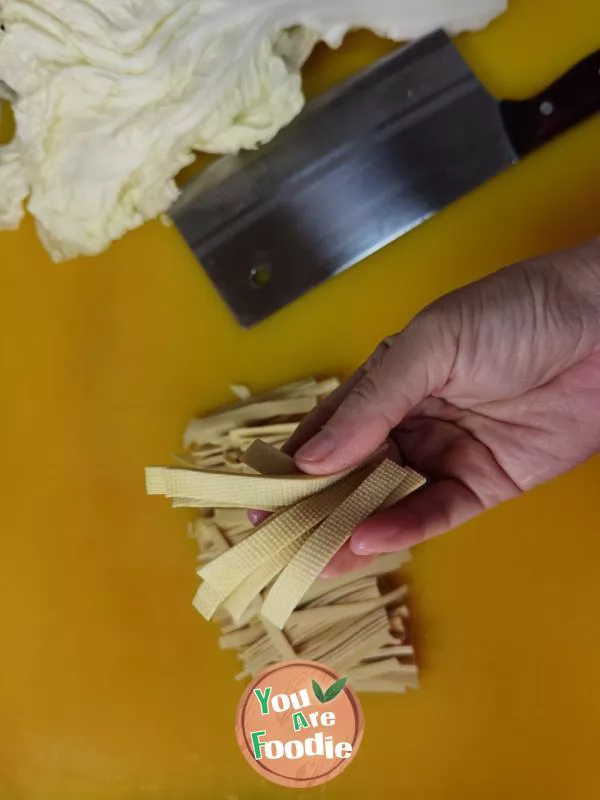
x,y
363,164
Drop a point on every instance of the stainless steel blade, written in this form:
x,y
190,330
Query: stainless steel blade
x,y
362,165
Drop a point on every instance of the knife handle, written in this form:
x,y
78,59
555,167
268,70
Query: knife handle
x,y
572,99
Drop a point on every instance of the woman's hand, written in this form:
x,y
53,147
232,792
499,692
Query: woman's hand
x,y
489,392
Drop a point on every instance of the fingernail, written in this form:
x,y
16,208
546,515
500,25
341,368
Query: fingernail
x,y
387,542
256,517
378,536
318,448
361,547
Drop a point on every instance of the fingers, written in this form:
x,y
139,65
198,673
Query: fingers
x,y
434,510
376,399
316,419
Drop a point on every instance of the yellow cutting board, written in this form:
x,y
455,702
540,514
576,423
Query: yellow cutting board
x,y
111,686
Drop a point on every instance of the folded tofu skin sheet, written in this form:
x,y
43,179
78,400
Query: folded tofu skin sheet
x,y
114,96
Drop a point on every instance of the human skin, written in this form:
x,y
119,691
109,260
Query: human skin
x,y
489,392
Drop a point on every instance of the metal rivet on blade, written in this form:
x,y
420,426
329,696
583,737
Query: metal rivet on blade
x,y
260,276
547,108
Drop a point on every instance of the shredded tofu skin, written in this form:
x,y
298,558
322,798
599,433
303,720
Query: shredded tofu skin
x,y
114,96
356,623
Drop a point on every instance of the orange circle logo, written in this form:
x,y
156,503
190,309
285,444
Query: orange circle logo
x,y
299,724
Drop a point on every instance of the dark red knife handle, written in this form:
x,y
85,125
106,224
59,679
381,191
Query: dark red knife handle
x,y
572,99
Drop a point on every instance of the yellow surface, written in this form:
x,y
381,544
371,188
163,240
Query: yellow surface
x,y
111,686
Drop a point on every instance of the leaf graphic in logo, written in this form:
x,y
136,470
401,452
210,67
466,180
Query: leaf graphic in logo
x,y
334,690
331,693
318,692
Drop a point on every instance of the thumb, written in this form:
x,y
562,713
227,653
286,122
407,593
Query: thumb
x,y
402,372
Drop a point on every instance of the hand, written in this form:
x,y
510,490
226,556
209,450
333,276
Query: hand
x,y
489,392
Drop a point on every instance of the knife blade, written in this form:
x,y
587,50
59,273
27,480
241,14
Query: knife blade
x,y
362,165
